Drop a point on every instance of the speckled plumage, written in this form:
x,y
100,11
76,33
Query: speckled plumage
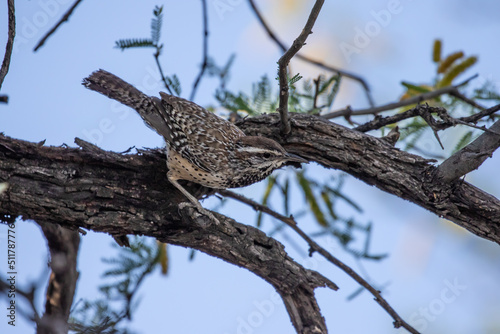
x,y
201,147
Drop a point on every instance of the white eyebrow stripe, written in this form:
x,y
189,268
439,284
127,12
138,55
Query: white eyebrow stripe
x,y
256,150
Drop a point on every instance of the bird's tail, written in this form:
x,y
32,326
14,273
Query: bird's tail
x,y
149,108
115,88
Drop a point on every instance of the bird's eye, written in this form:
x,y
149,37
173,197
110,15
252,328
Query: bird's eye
x,y
267,155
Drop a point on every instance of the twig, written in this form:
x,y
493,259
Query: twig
x,y
425,111
282,46
205,49
476,117
157,55
482,128
452,90
28,295
380,122
314,247
316,93
285,60
61,21
464,98
10,43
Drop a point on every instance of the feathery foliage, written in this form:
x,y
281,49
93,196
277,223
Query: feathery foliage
x,y
334,213
156,23
448,69
134,43
128,271
172,83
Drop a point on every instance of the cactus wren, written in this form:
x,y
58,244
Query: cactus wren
x,y
201,147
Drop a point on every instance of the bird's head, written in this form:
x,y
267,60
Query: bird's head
x,y
265,154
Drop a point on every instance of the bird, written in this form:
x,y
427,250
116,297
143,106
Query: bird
x,y
201,147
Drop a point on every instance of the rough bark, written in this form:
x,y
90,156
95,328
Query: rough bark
x,y
377,163
63,245
129,194
471,156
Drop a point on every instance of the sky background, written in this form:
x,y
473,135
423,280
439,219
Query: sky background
x,y
438,277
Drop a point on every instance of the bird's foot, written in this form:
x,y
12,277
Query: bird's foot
x,y
201,216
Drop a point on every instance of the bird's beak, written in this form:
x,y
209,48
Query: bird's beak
x,y
295,158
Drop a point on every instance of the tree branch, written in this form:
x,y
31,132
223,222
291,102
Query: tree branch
x,y
205,50
321,65
285,60
63,245
58,24
471,156
452,90
29,296
425,111
315,247
375,162
129,194
10,43
160,69
123,194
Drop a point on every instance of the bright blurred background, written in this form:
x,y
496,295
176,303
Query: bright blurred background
x,y
439,277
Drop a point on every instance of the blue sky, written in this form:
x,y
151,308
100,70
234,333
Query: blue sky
x,y
439,277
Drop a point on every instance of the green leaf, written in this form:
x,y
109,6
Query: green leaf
x,y
271,182
305,184
455,71
336,79
262,95
294,79
436,50
464,140
286,196
323,85
416,88
174,84
329,204
339,194
163,257
233,102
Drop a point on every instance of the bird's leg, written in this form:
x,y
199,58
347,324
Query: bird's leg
x,y
192,199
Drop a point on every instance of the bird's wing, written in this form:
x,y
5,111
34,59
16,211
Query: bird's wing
x,y
197,134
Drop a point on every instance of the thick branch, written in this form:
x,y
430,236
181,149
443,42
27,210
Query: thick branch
x,y
285,60
63,245
10,42
129,194
122,194
377,163
471,156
